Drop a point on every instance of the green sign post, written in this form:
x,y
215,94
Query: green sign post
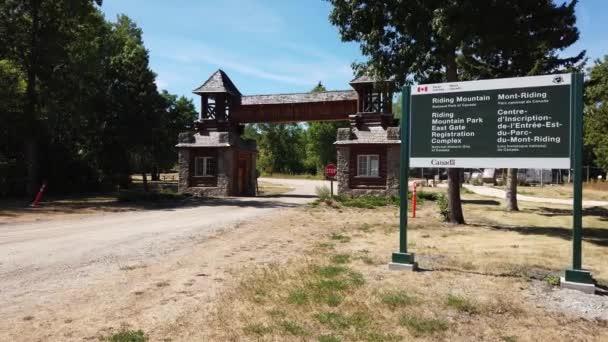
x,y
576,274
525,122
403,259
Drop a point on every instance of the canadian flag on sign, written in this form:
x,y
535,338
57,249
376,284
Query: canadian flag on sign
x,y
423,89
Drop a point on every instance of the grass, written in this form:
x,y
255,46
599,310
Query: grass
x,y
331,271
423,326
367,202
461,304
340,237
333,294
126,335
298,297
333,320
292,328
340,259
257,329
396,299
329,338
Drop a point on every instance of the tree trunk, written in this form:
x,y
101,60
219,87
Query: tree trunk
x,y
454,201
31,144
31,162
155,175
511,190
144,179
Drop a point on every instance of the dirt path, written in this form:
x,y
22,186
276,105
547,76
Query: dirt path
x,y
58,266
497,193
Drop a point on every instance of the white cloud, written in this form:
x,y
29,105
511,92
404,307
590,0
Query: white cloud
x,y
286,69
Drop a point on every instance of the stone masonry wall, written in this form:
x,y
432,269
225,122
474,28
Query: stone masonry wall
x,y
392,170
183,162
392,176
225,159
343,170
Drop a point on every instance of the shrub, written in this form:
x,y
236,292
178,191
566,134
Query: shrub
x,y
126,335
323,193
368,202
552,280
431,196
442,205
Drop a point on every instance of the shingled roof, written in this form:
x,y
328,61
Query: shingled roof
x,y
324,96
219,82
363,79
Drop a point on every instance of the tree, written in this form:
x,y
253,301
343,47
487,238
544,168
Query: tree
x,y
530,49
178,115
320,138
281,146
34,34
448,40
596,111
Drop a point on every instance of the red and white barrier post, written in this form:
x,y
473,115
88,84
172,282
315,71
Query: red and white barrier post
x,y
39,195
414,200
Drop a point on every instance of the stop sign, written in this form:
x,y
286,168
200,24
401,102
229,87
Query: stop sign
x,y
331,170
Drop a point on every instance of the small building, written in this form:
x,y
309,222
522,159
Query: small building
x,y
368,150
215,160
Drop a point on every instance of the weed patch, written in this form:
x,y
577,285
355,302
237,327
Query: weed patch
x,y
329,338
422,326
340,259
332,320
340,237
126,335
461,304
292,328
330,271
366,228
396,299
257,329
298,297
552,280
380,337
367,202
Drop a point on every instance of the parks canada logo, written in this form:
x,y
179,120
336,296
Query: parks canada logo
x,y
445,162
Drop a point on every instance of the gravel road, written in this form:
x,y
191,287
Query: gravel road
x,y
498,193
40,258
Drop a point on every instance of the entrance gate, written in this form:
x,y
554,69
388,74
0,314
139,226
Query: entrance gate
x,y
224,111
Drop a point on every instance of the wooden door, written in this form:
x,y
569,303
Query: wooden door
x,y
243,174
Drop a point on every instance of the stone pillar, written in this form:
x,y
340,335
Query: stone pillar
x,y
392,170
224,171
343,170
183,160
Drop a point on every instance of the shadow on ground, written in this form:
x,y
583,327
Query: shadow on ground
x,y
480,202
16,208
601,212
597,236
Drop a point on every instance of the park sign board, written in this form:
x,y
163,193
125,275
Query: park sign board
x,y
522,122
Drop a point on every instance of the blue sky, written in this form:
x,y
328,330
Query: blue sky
x,y
271,46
